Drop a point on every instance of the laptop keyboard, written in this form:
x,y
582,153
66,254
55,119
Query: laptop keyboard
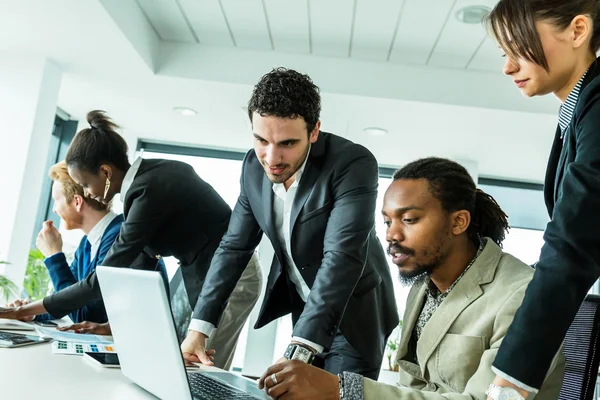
x,y
14,338
205,388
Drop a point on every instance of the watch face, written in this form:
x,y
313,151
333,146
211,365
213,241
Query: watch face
x,y
507,393
302,354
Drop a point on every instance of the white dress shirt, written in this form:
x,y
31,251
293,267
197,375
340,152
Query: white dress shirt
x,y
282,208
129,177
95,235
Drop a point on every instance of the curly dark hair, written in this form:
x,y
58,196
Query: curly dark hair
x,y
452,185
286,93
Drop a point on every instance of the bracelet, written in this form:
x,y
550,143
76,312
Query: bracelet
x,y
341,381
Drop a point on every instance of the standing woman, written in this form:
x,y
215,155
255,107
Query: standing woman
x,y
551,47
169,211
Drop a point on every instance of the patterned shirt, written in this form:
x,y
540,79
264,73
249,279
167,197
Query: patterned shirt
x,y
353,383
568,107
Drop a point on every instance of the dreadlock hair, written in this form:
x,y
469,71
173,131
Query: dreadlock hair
x,y
452,185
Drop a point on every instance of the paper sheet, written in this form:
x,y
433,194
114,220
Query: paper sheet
x,y
51,333
12,324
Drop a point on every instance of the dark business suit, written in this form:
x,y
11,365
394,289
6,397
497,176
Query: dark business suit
x,y
169,211
570,258
333,244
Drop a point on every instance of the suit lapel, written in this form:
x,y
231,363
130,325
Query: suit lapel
x,y
466,291
312,171
551,171
413,307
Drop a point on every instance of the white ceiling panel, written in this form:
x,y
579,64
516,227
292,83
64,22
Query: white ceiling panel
x,y
488,57
208,21
168,20
375,24
248,23
331,27
421,22
459,41
288,20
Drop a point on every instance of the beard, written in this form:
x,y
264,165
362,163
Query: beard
x,y
421,270
417,275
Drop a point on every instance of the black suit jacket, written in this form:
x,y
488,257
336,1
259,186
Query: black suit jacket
x,y
333,245
169,211
570,258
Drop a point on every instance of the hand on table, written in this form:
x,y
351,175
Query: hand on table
x,y
88,327
295,380
194,350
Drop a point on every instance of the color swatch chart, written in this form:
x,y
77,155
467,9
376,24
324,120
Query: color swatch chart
x,y
72,348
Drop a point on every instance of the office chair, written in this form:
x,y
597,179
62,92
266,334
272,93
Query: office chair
x,y
582,352
180,305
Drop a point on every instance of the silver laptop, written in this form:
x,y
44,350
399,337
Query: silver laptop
x,y
144,334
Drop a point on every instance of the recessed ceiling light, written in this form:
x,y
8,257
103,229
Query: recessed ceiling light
x,y
375,131
188,112
472,14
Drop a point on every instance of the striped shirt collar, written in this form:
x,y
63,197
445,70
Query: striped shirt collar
x,y
568,107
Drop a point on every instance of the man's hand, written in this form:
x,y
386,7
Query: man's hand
x,y
504,383
88,327
19,303
49,240
194,350
295,380
23,311
8,313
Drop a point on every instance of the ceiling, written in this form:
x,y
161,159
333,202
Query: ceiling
x,y
381,67
417,32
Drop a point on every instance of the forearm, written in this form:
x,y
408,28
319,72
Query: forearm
x,y
74,297
59,271
31,309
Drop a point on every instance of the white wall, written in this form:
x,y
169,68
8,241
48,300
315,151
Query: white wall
x,y
28,101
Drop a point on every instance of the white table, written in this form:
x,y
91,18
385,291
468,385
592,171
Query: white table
x,y
34,372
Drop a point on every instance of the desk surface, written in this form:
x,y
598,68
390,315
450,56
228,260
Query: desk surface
x,y
34,372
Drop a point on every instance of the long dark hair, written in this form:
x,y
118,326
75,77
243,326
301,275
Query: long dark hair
x,y
512,23
99,144
452,185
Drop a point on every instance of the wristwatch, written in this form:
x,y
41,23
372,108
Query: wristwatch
x,y
299,352
503,393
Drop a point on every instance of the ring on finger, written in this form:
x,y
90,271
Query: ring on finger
x,y
274,379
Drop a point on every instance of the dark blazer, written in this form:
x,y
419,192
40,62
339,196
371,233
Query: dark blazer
x,y
64,275
333,245
570,258
169,211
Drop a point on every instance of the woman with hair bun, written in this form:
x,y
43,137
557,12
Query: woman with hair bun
x,y
169,211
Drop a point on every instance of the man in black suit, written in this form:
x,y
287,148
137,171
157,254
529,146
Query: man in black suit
x,y
313,193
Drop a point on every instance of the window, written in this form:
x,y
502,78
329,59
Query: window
x,y
527,216
63,132
223,175
525,244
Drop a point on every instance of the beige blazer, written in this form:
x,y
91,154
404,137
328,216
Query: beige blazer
x,y
460,341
